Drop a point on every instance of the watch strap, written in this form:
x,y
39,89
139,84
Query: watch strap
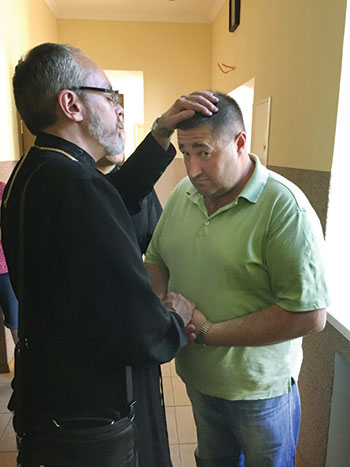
x,y
161,130
203,331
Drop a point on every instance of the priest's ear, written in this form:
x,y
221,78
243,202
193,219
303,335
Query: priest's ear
x,y
70,105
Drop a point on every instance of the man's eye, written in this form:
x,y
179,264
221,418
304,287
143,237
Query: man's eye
x,y
204,154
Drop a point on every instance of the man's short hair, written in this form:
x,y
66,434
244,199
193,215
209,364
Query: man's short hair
x,y
226,122
39,77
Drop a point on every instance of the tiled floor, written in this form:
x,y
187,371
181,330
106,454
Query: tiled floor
x,y
7,438
181,428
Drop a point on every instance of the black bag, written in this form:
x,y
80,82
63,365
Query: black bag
x,y
85,443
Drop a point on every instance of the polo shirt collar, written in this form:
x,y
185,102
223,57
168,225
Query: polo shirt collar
x,y
257,181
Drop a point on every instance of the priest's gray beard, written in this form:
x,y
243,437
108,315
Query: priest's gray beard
x,y
110,139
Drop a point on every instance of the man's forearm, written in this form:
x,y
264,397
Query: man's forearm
x,y
267,326
159,278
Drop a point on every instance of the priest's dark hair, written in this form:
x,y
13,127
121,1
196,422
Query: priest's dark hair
x,y
226,122
39,77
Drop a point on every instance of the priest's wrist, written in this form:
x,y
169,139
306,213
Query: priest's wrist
x,y
160,130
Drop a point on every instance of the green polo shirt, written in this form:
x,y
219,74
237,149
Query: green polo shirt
x,y
263,248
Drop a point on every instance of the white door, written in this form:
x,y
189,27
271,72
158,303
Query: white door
x,y
260,130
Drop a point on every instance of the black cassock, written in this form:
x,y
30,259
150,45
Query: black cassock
x,y
87,304
146,219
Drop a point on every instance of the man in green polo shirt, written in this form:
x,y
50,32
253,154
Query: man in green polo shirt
x,y
243,244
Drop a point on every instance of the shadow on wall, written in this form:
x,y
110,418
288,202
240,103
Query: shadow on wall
x,y
315,185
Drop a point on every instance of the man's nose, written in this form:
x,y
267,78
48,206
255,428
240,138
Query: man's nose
x,y
120,115
119,110
193,167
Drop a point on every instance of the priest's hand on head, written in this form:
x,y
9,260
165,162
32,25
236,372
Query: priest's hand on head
x,y
185,106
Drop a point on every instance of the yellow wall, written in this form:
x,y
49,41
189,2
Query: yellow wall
x,y
293,49
23,24
175,58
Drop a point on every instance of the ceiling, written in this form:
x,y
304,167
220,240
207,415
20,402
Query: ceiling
x,y
183,11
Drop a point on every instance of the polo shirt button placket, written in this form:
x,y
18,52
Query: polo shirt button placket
x,y
207,223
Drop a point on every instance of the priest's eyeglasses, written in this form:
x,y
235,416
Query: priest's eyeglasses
x,y
112,95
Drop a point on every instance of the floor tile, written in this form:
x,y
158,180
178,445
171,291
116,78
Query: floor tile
x,y
175,455
187,455
186,428
166,369
172,368
5,394
168,391
4,421
180,393
8,439
7,377
171,425
8,459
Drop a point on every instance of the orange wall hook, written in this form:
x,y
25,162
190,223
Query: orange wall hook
x,y
225,68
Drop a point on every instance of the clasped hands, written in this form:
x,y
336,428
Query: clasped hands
x,y
192,317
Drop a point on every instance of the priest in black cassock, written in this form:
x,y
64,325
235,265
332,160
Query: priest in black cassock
x,y
87,308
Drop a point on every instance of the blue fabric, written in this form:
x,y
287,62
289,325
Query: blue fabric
x,y
8,302
255,433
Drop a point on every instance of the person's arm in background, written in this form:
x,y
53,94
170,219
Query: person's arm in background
x,y
154,211
146,220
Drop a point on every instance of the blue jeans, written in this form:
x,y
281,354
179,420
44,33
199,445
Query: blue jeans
x,y
252,433
8,302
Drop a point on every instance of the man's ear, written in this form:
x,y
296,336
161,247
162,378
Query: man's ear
x,y
70,105
240,141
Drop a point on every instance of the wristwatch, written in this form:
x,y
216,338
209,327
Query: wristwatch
x,y
161,130
203,331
